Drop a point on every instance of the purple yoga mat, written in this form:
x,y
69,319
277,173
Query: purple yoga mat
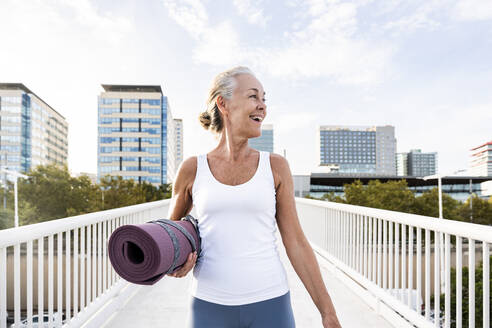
x,y
143,253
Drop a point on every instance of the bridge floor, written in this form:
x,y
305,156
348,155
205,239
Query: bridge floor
x,y
166,305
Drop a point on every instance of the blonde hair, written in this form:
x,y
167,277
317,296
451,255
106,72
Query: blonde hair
x,y
223,85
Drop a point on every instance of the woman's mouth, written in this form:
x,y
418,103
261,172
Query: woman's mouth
x,y
256,118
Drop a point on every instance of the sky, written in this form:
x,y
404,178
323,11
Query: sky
x,y
423,66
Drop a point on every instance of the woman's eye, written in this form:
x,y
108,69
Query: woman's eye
x,y
254,96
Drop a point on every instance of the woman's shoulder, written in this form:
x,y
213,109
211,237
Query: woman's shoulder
x,y
185,176
188,166
280,168
278,162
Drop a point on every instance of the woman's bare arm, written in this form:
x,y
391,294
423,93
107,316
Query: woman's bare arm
x,y
182,201
181,205
298,249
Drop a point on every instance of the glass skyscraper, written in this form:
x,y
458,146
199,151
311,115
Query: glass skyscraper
x,y
32,133
133,134
357,149
265,141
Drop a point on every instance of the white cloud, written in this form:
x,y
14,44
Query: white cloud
x,y
252,11
472,10
189,14
325,46
413,19
328,46
219,46
409,17
215,45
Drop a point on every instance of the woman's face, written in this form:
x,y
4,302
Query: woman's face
x,y
246,109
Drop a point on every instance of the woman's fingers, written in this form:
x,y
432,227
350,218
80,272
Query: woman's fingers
x,y
183,271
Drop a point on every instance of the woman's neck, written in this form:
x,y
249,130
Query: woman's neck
x,y
231,147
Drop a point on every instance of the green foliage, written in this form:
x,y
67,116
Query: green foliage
x,y
118,192
392,195
48,189
396,196
6,218
482,211
50,193
428,204
466,296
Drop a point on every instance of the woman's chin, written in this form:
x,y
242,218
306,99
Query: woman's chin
x,y
255,135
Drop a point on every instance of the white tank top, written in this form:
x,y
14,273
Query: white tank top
x,y
239,263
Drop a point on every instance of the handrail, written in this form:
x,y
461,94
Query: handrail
x,y
389,254
385,252
12,236
72,254
462,229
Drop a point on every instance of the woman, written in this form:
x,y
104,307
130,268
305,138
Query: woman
x,y
240,195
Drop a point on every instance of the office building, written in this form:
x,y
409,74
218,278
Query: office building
x,y
178,127
416,163
32,133
421,164
136,134
402,164
481,160
357,149
265,141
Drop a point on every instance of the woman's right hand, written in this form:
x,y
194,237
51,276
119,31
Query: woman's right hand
x,y
185,268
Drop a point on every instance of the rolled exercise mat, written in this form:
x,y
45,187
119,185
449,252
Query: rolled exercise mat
x,y
143,253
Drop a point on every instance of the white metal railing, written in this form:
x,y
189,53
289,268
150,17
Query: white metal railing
x,y
387,257
79,278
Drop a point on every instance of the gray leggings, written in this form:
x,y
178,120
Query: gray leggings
x,y
272,313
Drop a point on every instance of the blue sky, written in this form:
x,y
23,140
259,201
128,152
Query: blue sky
x,y
423,66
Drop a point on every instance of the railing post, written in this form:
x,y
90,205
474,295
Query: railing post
x,y
471,283
459,282
437,284
486,284
3,287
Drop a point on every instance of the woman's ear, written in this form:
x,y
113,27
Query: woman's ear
x,y
221,105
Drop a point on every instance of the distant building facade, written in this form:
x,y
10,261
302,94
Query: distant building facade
x,y
178,128
416,163
421,164
402,164
481,160
357,149
265,141
32,133
136,134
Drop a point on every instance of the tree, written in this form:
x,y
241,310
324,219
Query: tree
x,y
48,189
355,194
392,195
482,211
428,204
6,218
119,192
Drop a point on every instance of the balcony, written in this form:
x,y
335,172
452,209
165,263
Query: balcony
x,y
380,267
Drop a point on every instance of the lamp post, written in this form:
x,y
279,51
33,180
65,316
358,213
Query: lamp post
x,y
439,176
16,175
439,186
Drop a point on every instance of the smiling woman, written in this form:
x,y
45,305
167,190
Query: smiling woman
x,y
241,196
223,86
